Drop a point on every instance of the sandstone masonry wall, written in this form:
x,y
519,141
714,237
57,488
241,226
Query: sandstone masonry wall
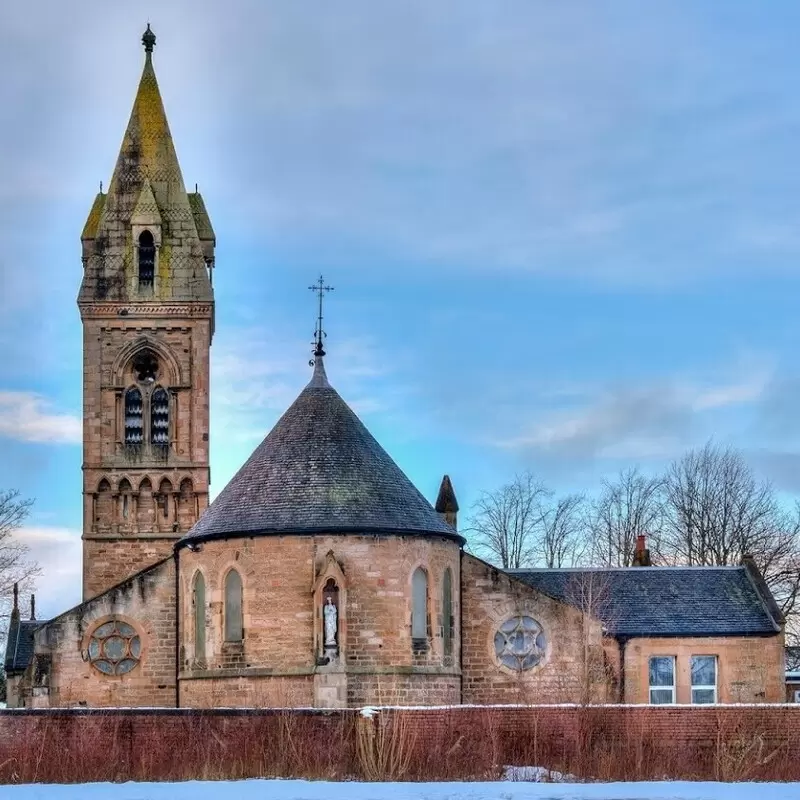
x,y
61,674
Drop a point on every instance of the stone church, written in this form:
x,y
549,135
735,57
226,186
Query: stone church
x,y
320,575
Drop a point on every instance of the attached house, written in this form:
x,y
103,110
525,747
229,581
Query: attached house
x,y
679,634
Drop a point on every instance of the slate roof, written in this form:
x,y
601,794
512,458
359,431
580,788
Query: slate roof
x,y
19,645
319,470
662,601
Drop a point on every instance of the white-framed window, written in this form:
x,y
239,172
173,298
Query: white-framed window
x,y
662,680
704,679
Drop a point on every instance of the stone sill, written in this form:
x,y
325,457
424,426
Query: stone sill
x,y
287,672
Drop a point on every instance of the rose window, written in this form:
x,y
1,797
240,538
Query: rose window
x,y
519,643
115,648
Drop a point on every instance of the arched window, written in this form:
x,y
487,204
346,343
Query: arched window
x,y
419,605
147,259
133,417
199,617
159,417
233,607
447,612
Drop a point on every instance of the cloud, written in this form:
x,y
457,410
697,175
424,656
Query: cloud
x,y
27,417
654,421
58,552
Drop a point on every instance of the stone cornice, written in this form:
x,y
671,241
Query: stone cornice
x,y
145,310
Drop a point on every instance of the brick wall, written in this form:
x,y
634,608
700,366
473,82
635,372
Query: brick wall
x,y
601,742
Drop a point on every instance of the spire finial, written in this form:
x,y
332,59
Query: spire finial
x,y
320,288
148,40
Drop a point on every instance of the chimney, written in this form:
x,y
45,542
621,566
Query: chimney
x,y
641,555
33,606
15,609
446,503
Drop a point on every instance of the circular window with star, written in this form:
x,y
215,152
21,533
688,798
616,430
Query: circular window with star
x,y
519,643
114,648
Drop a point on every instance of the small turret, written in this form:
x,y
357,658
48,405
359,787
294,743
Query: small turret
x,y
446,503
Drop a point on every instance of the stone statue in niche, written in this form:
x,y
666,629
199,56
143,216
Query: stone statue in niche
x,y
331,639
330,616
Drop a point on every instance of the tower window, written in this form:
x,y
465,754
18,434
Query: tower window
x,y
133,417
159,417
147,259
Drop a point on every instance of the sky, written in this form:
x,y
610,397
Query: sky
x,y
563,236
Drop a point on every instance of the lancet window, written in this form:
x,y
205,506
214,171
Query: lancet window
x,y
419,605
159,417
199,617
134,433
447,612
147,259
233,607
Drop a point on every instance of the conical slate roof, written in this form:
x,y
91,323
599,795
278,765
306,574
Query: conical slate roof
x,y
319,470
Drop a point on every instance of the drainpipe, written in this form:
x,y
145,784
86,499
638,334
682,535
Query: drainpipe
x,y
622,641
176,559
461,626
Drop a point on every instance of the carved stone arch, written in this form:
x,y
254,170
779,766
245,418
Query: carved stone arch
x,y
187,505
166,501
125,507
145,506
103,505
330,583
164,353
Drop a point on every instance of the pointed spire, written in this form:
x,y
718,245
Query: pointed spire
x,y
147,191
446,503
15,609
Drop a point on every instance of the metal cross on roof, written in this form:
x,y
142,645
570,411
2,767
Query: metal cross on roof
x,y
320,288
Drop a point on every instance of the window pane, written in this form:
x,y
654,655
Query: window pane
x,y
703,696
199,617
419,600
661,696
662,671
447,612
233,607
704,671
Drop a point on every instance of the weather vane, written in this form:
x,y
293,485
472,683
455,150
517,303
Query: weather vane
x,y
320,288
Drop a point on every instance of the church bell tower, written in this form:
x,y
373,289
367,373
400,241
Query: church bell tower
x,y
147,307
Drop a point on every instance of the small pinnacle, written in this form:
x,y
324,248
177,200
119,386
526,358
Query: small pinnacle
x,y
148,40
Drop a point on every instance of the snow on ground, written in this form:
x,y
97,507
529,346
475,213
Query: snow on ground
x,y
323,790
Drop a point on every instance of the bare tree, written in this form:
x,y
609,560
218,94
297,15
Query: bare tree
x,y
627,507
589,590
15,565
504,523
560,539
716,512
